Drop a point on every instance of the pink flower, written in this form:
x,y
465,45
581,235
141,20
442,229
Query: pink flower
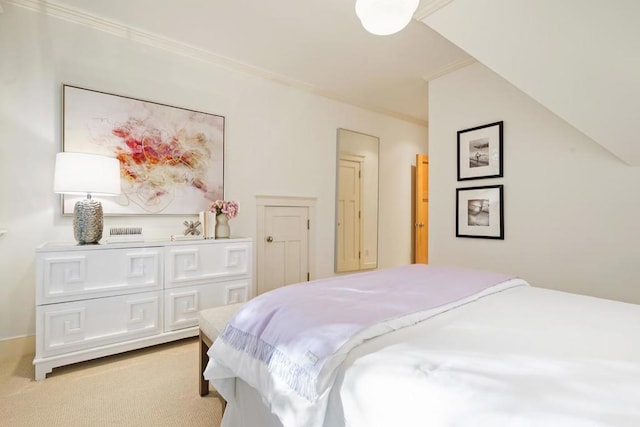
x,y
229,208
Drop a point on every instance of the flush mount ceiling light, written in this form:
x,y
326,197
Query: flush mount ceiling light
x,y
384,17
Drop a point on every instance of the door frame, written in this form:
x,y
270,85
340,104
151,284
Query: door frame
x,y
262,202
355,158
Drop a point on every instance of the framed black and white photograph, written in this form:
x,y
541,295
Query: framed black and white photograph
x,y
480,212
480,152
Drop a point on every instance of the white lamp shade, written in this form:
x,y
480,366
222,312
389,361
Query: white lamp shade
x,y
82,173
384,17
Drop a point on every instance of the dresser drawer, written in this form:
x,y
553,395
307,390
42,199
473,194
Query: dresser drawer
x,y
79,325
82,274
198,264
183,304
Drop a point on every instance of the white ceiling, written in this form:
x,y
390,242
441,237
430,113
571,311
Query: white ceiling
x,y
316,44
580,59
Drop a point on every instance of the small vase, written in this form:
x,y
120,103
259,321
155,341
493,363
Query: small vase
x,y
222,227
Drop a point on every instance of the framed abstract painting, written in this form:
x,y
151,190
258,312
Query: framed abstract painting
x,y
171,159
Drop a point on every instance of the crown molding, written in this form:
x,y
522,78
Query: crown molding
x,y
429,7
450,68
161,42
134,34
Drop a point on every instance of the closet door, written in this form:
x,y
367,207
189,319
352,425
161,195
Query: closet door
x,y
286,259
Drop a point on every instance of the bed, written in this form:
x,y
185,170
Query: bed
x,y
493,351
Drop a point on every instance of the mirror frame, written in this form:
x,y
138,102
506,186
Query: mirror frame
x,y
364,149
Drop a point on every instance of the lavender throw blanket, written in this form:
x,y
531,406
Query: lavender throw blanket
x,y
296,329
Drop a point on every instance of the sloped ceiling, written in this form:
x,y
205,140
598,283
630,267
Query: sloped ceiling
x,y
316,45
580,59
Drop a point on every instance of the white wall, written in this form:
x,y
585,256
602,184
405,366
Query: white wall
x,y
578,58
571,207
279,141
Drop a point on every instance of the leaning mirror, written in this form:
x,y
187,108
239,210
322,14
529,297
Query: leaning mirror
x,y
356,201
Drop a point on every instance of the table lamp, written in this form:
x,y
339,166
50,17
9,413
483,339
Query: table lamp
x,y
87,174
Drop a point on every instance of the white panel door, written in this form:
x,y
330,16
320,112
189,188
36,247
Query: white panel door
x,y
348,226
285,246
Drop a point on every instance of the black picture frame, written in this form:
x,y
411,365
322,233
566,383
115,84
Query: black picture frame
x,y
480,212
480,152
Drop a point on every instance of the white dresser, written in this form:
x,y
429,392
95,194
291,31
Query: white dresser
x,y
97,300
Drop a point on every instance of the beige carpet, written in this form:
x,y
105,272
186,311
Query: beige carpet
x,y
157,386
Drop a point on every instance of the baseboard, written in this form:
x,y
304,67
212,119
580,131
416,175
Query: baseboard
x,y
15,348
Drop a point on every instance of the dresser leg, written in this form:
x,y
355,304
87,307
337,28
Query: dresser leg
x,y
41,372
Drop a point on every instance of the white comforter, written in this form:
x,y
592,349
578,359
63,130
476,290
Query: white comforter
x,y
524,357
521,357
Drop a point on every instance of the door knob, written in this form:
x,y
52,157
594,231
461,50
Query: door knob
x,y
269,239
